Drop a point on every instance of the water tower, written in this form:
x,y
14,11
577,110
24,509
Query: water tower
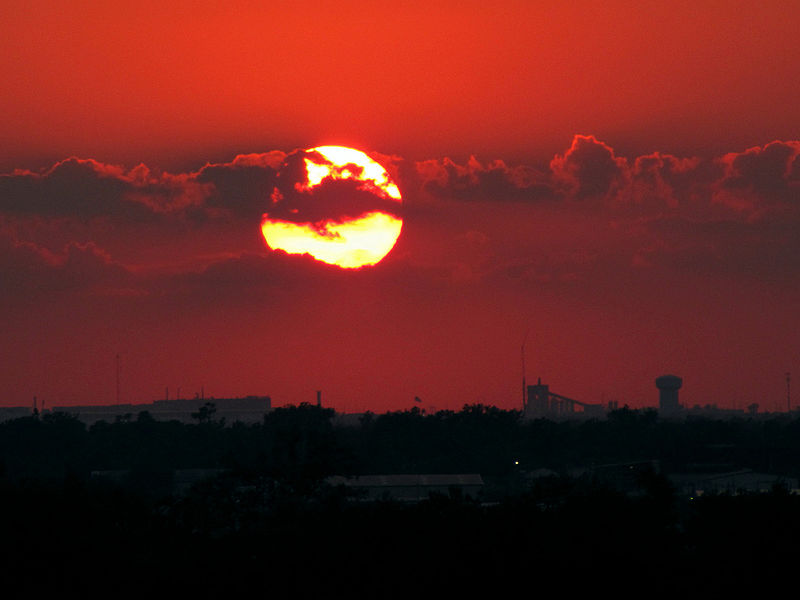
x,y
668,386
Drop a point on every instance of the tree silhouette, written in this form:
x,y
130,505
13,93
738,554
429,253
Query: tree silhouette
x,y
205,414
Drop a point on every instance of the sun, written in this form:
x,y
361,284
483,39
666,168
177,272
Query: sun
x,y
336,204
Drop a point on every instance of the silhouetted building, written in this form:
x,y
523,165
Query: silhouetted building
x,y
177,481
410,488
668,386
743,481
250,409
624,477
538,400
712,411
8,413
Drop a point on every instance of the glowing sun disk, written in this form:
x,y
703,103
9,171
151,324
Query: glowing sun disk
x,y
347,239
338,159
352,244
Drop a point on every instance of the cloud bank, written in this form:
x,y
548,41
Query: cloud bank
x,y
588,210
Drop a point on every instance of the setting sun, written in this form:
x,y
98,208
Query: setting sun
x,y
324,209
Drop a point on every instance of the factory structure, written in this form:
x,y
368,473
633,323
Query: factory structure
x,y
540,403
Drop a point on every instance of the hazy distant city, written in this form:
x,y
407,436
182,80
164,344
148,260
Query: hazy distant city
x,y
538,401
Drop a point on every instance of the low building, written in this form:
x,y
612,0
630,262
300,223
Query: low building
x,y
743,481
410,488
541,403
9,413
624,477
177,482
248,410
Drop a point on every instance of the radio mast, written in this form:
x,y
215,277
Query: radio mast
x,y
524,387
117,378
788,393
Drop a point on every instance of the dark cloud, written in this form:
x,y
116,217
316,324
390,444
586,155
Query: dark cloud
x,y
332,200
763,251
738,214
760,178
245,274
589,169
661,182
86,189
337,200
656,211
28,270
243,186
74,187
476,181
765,170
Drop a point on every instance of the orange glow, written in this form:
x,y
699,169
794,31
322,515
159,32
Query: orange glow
x,y
220,80
346,241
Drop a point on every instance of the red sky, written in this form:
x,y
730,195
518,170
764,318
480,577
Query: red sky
x,y
619,180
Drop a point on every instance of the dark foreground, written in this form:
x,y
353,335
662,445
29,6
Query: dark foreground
x,y
268,524
100,539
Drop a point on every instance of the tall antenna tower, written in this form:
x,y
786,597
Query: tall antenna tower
x,y
117,378
524,387
788,392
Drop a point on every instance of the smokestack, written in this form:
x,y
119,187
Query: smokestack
x,y
319,398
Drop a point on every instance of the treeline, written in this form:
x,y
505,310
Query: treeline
x,y
224,538
268,523
303,442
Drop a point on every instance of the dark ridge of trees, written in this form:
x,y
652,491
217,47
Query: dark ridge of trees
x,y
269,522
300,445
96,538
476,439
